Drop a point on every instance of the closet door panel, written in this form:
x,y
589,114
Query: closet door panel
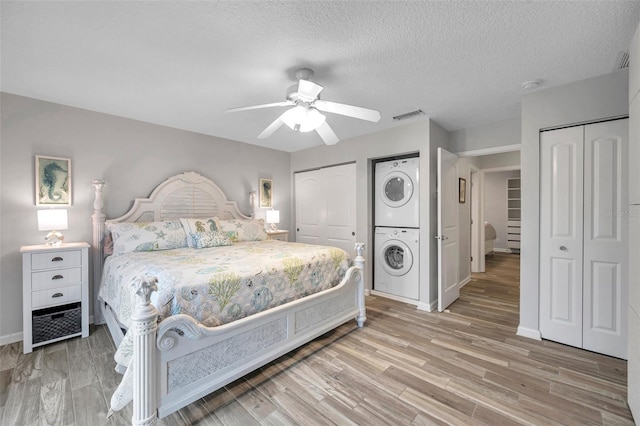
x,y
561,229
310,193
606,236
341,208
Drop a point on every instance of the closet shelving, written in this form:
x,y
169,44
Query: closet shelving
x,y
513,214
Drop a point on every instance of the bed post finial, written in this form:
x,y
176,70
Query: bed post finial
x,y
359,263
144,325
252,203
98,250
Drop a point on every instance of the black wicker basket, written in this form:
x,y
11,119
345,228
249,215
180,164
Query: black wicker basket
x,y
59,321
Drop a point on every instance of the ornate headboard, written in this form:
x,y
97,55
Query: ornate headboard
x,y
188,194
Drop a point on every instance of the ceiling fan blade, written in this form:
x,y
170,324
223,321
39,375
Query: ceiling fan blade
x,y
271,128
275,104
348,110
309,89
326,133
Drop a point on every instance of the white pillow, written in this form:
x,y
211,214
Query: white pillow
x,y
131,236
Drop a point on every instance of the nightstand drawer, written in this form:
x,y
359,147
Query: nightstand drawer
x,y
57,259
56,296
56,278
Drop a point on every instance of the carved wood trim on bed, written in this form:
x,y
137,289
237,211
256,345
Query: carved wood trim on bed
x,y
155,362
188,194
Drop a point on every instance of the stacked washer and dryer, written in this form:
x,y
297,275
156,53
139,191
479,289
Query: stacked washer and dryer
x,y
397,229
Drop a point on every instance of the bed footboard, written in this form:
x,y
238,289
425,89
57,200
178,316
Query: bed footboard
x,y
164,354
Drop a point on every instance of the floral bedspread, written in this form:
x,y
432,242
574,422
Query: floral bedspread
x,y
217,285
221,284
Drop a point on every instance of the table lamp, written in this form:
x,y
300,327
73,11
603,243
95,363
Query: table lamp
x,y
53,220
273,217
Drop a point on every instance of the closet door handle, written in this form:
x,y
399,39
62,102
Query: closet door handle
x,y
563,248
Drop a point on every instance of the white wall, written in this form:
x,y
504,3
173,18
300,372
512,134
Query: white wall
x,y
502,160
495,204
579,102
131,156
491,135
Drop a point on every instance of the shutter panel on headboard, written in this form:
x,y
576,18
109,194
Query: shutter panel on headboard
x,y
189,202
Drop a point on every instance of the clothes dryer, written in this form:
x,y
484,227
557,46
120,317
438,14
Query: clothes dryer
x,y
397,258
397,189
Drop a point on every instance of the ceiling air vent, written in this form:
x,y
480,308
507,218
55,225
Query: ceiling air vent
x,y
622,60
408,115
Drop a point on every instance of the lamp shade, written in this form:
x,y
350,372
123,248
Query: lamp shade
x,y
273,216
52,220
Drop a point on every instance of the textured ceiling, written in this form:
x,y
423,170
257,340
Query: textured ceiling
x,y
181,64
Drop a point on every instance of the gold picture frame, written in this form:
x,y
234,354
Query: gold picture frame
x,y
266,193
53,181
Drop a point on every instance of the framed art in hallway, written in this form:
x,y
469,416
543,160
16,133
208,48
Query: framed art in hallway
x,y
53,181
462,190
266,193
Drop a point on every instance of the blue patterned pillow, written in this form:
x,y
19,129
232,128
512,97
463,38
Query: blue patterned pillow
x,y
129,237
246,230
210,239
198,225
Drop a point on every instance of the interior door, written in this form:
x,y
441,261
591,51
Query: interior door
x,y
310,201
341,206
606,238
561,223
325,201
448,247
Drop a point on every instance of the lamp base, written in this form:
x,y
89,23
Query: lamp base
x,y
273,227
54,239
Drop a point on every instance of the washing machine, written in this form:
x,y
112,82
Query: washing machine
x,y
397,258
397,200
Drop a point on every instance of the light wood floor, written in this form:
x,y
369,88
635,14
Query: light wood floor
x,y
462,367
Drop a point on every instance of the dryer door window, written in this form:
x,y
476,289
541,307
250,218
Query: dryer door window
x,y
397,189
396,258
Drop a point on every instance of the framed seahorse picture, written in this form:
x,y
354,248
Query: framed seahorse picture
x,y
266,193
53,181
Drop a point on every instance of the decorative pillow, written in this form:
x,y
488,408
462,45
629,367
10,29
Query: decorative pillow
x,y
197,225
129,237
210,239
107,246
246,230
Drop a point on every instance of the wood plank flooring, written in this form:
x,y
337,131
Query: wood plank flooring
x,y
465,366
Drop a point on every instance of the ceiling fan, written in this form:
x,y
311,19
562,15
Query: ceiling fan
x,y
305,115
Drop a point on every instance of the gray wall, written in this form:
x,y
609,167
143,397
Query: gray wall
x,y
495,204
411,138
579,102
131,156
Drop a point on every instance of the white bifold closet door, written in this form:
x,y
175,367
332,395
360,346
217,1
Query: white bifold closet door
x,y
584,236
325,201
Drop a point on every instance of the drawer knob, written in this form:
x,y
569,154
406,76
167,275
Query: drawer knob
x,y
57,295
57,259
57,277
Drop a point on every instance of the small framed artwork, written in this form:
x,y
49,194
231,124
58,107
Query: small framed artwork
x,y
462,190
266,193
53,181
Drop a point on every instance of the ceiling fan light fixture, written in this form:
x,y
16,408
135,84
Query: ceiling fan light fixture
x,y
303,119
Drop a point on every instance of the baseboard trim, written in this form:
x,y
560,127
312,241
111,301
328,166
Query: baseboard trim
x,y
465,281
428,307
16,337
529,333
502,250
10,338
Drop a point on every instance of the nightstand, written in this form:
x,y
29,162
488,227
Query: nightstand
x,y
279,235
55,293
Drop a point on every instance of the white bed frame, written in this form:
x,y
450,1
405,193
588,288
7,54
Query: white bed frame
x,y
224,353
